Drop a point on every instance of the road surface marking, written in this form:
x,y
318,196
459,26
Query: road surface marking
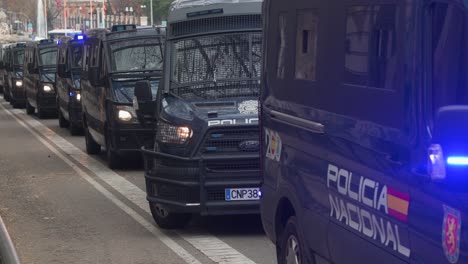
x,y
212,247
170,243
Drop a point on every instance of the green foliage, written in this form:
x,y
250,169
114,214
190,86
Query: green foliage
x,y
160,9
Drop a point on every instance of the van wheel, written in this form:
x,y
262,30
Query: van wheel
x,y
113,158
62,121
6,97
29,108
168,220
92,147
291,247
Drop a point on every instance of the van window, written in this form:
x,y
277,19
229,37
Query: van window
x,y
306,44
370,50
87,55
448,49
95,56
281,66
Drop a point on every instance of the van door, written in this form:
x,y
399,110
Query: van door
x,y
368,139
438,226
294,165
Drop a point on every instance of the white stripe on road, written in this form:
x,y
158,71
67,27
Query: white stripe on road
x,y
181,252
212,247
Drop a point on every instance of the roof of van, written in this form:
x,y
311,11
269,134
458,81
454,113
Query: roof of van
x,y
140,32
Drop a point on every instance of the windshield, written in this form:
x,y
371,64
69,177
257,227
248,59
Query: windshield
x,y
19,57
137,54
76,53
48,57
224,65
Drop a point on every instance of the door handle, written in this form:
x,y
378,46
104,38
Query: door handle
x,y
314,127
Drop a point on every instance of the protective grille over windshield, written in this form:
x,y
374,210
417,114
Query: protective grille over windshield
x,y
206,25
134,55
217,66
48,56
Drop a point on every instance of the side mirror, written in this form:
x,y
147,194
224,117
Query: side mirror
x,y
94,77
2,65
143,103
448,154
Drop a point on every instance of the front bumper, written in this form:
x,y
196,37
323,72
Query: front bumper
x,y
75,113
47,101
18,94
197,185
130,139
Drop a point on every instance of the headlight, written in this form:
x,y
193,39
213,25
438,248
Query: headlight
x,y
173,134
125,114
78,97
19,83
47,88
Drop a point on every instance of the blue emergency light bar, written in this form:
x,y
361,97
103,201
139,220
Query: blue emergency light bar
x,y
205,12
79,37
457,161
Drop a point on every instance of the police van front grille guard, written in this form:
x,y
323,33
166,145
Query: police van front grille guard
x,y
211,188
233,141
219,90
212,24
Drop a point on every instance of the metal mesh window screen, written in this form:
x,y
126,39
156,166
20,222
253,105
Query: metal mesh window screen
x,y
207,25
217,66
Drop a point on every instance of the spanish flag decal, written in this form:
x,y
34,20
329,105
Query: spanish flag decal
x,y
398,204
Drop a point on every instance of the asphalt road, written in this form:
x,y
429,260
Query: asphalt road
x,y
62,206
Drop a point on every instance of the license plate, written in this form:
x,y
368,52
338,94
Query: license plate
x,y
242,194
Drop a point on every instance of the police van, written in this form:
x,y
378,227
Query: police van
x,y
3,48
69,63
206,156
39,77
14,75
113,62
364,131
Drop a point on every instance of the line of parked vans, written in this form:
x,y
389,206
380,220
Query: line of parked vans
x,y
360,151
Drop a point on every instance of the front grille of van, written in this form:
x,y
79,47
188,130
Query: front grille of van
x,y
222,23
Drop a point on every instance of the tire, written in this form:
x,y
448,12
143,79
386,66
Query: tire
x,y
113,158
29,108
92,147
290,246
168,220
6,97
63,123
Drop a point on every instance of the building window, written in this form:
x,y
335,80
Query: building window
x,y
281,67
370,50
306,45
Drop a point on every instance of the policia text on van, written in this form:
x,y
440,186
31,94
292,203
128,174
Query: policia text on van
x,y
205,159
365,131
113,62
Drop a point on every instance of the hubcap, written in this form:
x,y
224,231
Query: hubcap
x,y
292,251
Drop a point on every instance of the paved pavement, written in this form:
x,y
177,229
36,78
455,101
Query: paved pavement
x,y
62,206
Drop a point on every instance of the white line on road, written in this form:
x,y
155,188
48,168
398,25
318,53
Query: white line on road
x,y
181,252
214,248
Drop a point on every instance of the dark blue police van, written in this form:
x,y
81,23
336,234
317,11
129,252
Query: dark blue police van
x,y
365,131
